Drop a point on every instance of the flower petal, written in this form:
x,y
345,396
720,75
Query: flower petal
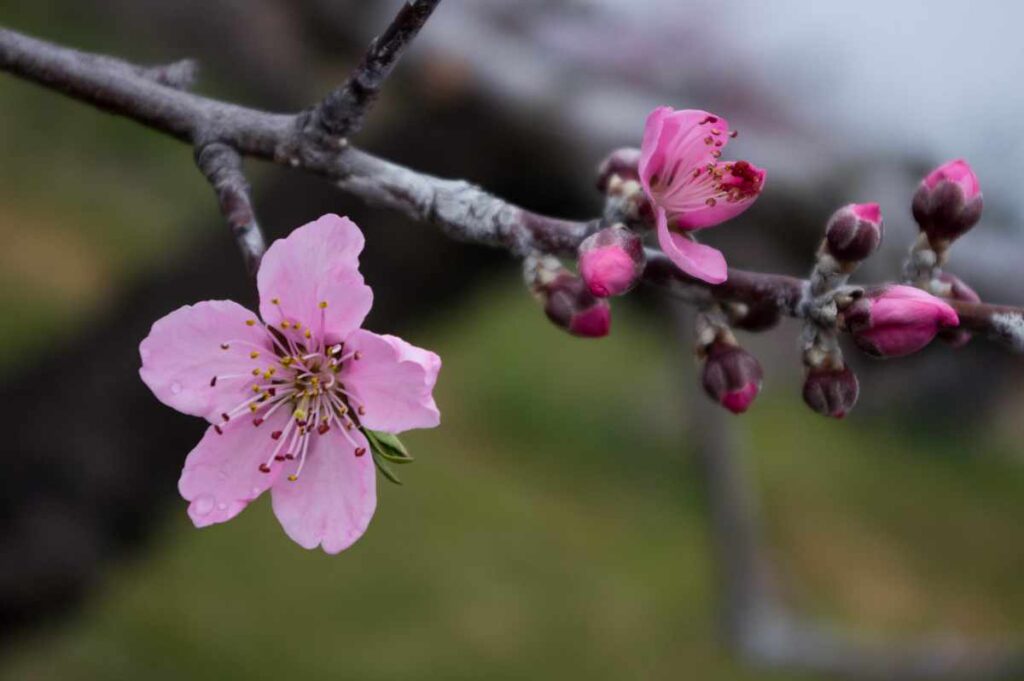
x,y
317,263
393,381
699,261
333,499
674,145
185,350
222,474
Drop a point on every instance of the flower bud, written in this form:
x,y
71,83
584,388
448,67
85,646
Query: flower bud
x,y
957,290
732,376
569,304
621,163
948,202
611,261
854,232
831,392
897,320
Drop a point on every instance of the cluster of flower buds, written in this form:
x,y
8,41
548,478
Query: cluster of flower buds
x,y
947,203
618,179
611,261
896,320
567,300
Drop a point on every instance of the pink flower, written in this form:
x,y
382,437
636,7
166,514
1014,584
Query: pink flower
x,y
288,397
897,321
611,261
690,188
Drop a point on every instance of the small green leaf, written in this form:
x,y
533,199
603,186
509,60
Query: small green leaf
x,y
385,470
388,446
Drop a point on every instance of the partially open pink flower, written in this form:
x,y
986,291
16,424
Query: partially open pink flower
x,y
690,188
288,396
611,261
897,320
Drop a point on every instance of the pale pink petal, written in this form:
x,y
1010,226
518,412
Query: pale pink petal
x,y
184,351
699,261
331,502
222,474
675,144
704,203
392,381
317,263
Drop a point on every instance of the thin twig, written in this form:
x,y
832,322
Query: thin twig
x,y
460,209
343,111
222,166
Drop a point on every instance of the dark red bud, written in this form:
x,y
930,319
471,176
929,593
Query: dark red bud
x,y
854,232
831,392
571,306
732,376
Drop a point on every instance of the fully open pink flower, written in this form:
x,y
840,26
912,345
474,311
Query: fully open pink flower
x,y
288,397
690,188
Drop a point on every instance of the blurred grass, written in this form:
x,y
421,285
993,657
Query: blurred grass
x,y
552,528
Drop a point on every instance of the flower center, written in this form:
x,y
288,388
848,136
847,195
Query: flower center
x,y
301,376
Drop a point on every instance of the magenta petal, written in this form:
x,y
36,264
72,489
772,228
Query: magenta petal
x,y
317,263
185,350
392,381
222,474
699,261
331,502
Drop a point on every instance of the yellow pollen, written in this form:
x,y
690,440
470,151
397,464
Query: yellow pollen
x,y
254,354
300,414
275,301
308,334
272,370
250,322
255,388
255,372
323,304
285,325
287,361
292,478
253,408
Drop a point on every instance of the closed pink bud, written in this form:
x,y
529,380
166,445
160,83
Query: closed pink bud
x,y
948,201
958,290
611,261
732,376
854,232
570,305
831,392
897,320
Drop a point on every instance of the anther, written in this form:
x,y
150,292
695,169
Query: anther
x,y
286,325
224,346
254,354
279,457
292,478
250,322
323,428
257,422
275,301
213,381
225,417
716,153
711,201
362,410
358,355
264,468
323,304
360,451
276,435
219,430
734,134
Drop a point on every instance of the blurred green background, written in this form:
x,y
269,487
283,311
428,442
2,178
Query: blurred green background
x,y
553,527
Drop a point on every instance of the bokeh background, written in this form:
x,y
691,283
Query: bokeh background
x,y
556,525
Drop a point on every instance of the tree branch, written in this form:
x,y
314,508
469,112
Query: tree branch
x,y
460,209
222,166
342,112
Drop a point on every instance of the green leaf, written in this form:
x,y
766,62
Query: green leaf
x,y
388,446
385,470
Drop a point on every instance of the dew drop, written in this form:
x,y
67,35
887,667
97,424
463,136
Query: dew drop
x,y
203,504
175,387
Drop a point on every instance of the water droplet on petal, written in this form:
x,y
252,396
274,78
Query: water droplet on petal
x,y
203,504
175,387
